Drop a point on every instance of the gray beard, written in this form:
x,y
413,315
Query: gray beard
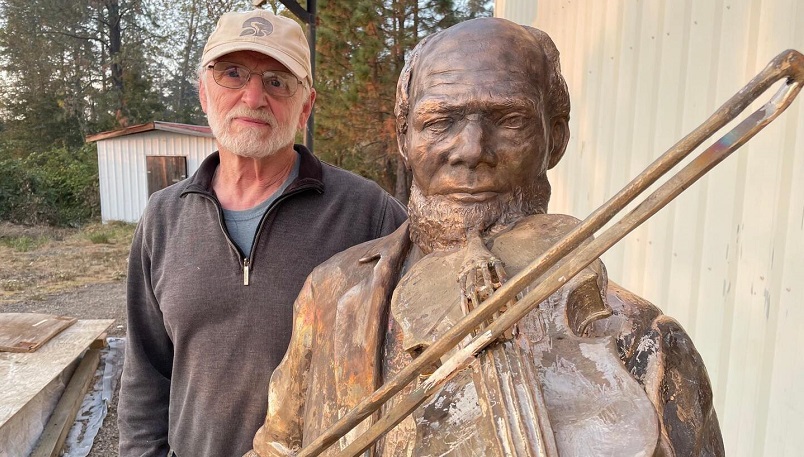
x,y
247,143
438,223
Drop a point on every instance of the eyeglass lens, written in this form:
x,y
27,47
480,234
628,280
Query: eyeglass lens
x,y
235,76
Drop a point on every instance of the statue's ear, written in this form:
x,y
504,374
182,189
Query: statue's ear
x,y
559,137
402,144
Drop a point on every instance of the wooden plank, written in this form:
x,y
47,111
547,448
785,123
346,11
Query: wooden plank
x,y
27,332
20,433
23,376
100,342
55,433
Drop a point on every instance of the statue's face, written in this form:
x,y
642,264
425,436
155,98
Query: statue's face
x,y
476,131
477,138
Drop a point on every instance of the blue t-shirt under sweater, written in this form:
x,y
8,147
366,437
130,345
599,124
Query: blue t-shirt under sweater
x,y
242,225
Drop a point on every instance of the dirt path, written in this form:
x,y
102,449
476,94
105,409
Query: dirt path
x,y
89,301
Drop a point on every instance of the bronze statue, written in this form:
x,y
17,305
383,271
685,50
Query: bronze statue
x,y
482,112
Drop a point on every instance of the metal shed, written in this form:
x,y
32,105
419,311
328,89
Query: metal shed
x,y
727,258
136,161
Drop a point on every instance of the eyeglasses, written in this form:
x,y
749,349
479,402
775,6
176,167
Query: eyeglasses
x,y
236,76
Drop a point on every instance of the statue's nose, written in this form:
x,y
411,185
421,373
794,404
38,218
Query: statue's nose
x,y
471,148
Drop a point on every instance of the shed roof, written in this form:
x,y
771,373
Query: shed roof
x,y
175,127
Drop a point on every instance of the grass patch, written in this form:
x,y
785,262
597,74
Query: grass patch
x,y
60,259
114,232
14,285
99,238
64,275
23,243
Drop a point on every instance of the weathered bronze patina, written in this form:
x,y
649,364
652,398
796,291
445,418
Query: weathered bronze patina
x,y
592,370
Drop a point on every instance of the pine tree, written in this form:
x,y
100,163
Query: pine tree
x,y
361,49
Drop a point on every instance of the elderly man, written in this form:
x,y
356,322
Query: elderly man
x,y
482,113
218,259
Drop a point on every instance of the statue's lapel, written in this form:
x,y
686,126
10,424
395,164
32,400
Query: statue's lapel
x,y
361,320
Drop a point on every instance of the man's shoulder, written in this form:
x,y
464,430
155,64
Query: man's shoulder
x,y
170,193
165,200
343,179
362,194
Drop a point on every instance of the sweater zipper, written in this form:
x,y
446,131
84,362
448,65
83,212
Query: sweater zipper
x,y
248,260
245,271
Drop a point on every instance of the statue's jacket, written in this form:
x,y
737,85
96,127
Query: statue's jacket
x,y
617,376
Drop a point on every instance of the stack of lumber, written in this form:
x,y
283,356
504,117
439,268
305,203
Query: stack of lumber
x,y
46,365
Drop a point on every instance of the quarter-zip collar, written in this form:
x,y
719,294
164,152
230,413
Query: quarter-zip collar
x,y
310,174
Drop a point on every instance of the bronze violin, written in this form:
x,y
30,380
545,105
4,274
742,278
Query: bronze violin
x,y
546,390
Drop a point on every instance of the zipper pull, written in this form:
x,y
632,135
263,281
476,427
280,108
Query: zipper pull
x,y
245,271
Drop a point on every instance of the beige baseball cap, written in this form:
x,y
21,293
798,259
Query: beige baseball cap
x,y
258,30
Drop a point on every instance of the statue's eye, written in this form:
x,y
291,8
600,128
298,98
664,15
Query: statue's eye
x,y
439,125
513,121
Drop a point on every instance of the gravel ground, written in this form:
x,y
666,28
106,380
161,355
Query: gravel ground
x,y
94,301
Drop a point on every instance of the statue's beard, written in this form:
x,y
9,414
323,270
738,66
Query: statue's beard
x,y
438,223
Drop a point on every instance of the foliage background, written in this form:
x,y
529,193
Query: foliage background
x,y
70,69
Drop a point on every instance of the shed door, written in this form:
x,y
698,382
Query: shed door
x,y
164,171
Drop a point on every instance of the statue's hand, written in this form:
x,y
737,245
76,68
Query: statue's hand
x,y
481,274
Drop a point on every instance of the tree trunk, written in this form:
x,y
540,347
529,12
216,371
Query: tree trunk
x,y
186,65
115,48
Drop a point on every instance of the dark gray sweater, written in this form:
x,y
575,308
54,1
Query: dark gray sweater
x,y
202,346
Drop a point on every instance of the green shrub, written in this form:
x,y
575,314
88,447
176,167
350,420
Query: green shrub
x,y
57,187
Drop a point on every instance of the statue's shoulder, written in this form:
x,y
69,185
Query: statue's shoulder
x,y
631,315
358,262
661,356
630,305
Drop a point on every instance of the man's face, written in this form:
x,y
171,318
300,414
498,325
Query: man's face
x,y
247,121
477,138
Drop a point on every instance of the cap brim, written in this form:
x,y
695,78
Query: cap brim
x,y
289,62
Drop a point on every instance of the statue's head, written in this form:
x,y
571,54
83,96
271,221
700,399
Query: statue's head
x,y
482,113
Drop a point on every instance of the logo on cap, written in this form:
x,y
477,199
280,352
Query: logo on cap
x,y
257,26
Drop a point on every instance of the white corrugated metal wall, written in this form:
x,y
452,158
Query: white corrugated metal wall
x,y
727,257
123,175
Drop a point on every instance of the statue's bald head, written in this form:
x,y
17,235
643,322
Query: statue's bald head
x,y
482,113
525,51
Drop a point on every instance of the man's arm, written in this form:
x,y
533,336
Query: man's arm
x,y
281,435
145,387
